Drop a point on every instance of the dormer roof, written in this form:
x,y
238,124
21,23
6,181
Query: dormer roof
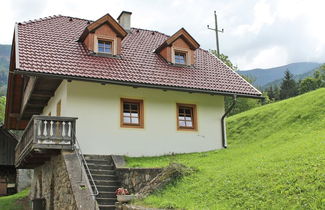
x,y
181,33
106,19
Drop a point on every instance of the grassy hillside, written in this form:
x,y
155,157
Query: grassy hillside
x,y
19,201
275,160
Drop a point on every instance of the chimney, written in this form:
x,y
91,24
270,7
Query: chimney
x,y
124,19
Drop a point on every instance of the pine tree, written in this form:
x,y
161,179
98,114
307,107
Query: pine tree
x,y
276,91
270,93
289,87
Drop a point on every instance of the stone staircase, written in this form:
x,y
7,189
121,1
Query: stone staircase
x,y
102,170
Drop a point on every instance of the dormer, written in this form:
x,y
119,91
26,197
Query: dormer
x,y
179,48
104,36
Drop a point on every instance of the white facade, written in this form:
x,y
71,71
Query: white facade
x,y
98,126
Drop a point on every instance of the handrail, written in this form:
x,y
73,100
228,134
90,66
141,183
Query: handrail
x,y
83,162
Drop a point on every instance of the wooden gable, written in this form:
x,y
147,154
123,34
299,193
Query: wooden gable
x,y
105,28
180,41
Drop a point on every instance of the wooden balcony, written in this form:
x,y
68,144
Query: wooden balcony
x,y
43,137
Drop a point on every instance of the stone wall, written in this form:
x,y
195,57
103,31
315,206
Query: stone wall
x,y
135,179
24,179
51,181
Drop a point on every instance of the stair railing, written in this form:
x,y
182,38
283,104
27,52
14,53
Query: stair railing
x,y
83,163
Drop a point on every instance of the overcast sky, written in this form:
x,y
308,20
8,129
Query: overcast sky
x,y
258,33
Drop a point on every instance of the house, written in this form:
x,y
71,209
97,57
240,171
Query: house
x,y
105,88
8,172
135,92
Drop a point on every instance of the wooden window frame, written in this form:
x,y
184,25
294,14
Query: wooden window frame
x,y
183,51
141,114
180,53
194,117
105,39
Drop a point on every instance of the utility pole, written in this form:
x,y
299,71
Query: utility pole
x,y
216,31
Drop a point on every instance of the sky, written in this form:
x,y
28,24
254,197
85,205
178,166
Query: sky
x,y
257,33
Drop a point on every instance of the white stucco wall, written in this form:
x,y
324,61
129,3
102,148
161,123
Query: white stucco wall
x,y
60,94
98,126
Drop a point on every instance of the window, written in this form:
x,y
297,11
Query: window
x,y
180,58
105,46
132,113
186,117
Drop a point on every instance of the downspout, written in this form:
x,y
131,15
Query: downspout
x,y
223,127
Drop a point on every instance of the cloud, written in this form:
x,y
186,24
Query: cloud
x,y
266,58
258,33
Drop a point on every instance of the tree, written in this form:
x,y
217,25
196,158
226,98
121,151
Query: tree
x,y
276,91
224,58
308,84
243,104
2,108
273,93
270,93
313,83
320,75
288,86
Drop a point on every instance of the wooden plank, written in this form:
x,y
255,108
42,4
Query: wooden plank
x,y
39,104
3,188
27,94
7,148
14,115
43,94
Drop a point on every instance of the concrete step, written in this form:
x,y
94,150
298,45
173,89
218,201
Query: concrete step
x,y
92,166
99,162
106,201
103,177
106,182
103,194
107,207
102,172
106,188
101,157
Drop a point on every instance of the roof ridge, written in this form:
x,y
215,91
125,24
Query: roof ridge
x,y
150,31
52,17
77,18
40,19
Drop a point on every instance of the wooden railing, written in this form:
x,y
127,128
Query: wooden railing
x,y
46,132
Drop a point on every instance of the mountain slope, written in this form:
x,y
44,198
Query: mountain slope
x,y
296,77
4,67
275,160
264,76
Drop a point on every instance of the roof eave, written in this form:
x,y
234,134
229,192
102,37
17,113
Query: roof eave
x,y
143,85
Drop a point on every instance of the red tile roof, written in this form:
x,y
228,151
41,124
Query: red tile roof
x,y
50,46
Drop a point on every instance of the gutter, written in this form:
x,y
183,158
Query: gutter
x,y
223,126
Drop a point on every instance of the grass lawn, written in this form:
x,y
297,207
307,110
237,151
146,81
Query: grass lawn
x,y
275,160
15,202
